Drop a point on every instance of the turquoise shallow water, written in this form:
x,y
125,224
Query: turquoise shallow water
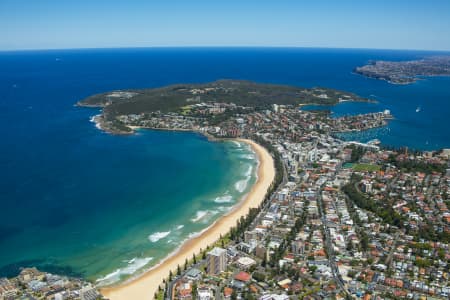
x,y
132,203
78,201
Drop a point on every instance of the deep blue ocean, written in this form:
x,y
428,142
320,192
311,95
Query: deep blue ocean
x,y
76,200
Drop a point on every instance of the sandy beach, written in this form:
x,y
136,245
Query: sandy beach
x,y
145,286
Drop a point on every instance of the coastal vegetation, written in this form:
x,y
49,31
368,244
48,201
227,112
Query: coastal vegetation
x,y
180,97
244,93
409,165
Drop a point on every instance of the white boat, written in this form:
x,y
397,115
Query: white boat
x,y
374,142
418,109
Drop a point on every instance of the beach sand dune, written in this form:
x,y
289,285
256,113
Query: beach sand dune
x,y
145,286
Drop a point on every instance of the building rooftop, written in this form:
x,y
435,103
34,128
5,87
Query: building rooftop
x,y
242,276
193,272
217,251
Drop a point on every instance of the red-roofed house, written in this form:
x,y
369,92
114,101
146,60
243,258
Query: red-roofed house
x,y
243,276
227,292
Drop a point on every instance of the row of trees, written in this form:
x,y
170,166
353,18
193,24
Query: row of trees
x,y
417,166
357,153
390,216
385,212
237,232
279,168
363,237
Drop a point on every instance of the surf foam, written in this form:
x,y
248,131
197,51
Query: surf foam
x,y
224,199
247,156
204,215
133,265
238,145
249,171
158,236
241,185
199,215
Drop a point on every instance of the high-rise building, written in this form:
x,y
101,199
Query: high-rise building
x,y
216,261
88,293
298,247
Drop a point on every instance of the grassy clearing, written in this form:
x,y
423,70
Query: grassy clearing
x,y
366,168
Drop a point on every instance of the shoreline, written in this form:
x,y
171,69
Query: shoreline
x,y
145,285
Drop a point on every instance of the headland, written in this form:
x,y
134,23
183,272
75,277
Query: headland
x,y
206,104
406,72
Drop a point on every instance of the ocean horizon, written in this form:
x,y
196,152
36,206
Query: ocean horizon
x,y
78,201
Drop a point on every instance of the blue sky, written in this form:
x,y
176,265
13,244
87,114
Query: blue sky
x,y
394,24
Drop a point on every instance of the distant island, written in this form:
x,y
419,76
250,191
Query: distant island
x,y
212,103
406,72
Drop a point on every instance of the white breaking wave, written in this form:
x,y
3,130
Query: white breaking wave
x,y
224,199
249,171
224,208
180,227
241,185
194,234
158,236
237,144
247,156
93,119
133,265
199,215
204,215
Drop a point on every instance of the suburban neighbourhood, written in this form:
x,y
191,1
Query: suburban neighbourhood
x,y
344,220
348,220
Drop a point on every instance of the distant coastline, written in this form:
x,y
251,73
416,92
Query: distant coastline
x,y
145,285
406,72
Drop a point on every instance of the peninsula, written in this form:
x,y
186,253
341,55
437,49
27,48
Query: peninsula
x,y
406,72
209,104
